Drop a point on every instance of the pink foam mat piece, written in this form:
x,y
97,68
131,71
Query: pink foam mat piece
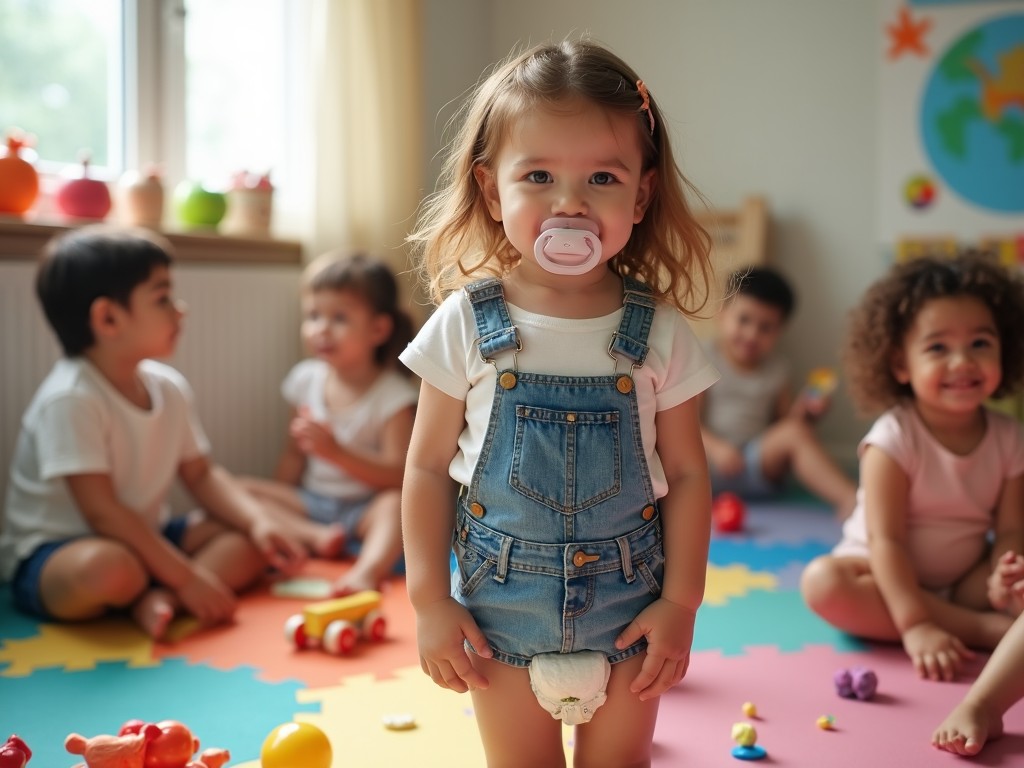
x,y
792,690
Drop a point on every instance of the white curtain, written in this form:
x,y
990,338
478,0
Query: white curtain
x,y
363,145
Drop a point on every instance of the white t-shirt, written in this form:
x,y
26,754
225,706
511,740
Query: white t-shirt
x,y
951,500
77,423
359,425
444,355
741,406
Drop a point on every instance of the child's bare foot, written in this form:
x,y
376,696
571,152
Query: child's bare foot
x,y
153,612
966,729
328,542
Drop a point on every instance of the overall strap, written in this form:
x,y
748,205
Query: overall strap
x,y
630,340
495,332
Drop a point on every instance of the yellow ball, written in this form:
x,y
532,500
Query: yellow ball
x,y
749,709
744,734
296,745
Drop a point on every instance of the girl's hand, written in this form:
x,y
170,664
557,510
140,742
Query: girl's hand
x,y
1006,583
281,548
441,629
668,628
312,437
206,597
937,654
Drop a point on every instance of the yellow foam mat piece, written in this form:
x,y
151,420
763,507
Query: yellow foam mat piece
x,y
77,647
353,715
734,581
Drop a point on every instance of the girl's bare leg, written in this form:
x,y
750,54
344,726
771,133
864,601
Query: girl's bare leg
x,y
843,591
979,716
284,502
621,732
380,531
516,731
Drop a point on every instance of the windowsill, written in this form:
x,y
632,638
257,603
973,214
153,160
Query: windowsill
x,y
22,240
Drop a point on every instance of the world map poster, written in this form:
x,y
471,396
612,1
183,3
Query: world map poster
x,y
951,125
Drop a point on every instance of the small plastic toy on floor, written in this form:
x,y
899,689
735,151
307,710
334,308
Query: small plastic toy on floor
x,y
728,513
857,683
745,735
14,753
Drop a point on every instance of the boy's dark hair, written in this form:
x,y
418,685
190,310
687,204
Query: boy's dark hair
x,y
880,322
374,281
81,265
764,284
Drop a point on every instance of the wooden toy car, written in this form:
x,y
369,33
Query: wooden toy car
x,y
335,625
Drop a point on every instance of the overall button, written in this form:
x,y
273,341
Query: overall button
x,y
507,380
477,509
570,417
648,512
624,384
581,558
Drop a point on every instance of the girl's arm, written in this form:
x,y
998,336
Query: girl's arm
x,y
936,652
1006,581
886,489
428,519
219,493
381,469
200,592
686,527
292,462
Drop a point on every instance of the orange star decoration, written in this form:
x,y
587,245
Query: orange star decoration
x,y
907,35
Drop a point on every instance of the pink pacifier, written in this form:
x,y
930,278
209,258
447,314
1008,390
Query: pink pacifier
x,y
568,246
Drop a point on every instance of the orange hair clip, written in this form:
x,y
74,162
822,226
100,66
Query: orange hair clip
x,y
646,106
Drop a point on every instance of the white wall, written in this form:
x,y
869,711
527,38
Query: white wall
x,y
775,97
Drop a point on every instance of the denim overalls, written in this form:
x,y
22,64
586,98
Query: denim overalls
x,y
558,541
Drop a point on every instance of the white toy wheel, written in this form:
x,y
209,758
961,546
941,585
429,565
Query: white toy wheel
x,y
340,637
375,625
295,631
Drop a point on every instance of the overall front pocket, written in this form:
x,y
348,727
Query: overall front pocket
x,y
566,460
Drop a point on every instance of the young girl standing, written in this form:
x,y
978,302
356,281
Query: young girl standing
x,y
341,469
559,379
941,475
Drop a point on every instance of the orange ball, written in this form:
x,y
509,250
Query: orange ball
x,y
296,745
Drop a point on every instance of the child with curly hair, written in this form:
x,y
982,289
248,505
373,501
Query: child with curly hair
x,y
932,551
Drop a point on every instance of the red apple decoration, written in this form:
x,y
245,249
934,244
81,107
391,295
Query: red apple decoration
x,y
728,512
19,181
84,197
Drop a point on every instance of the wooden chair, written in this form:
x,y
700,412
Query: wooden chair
x,y
739,238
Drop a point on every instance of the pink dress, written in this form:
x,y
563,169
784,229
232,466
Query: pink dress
x,y
952,499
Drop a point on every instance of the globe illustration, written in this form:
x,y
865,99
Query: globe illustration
x,y
972,115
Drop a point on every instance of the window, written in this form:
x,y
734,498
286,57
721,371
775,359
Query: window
x,y
198,86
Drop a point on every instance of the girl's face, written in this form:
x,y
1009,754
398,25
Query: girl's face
x,y
341,328
580,161
951,355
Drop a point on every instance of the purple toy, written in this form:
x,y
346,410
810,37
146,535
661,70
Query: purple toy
x,y
859,682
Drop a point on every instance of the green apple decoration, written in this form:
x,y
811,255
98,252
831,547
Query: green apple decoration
x,y
198,207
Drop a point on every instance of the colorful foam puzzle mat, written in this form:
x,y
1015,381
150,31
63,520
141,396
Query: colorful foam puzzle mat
x,y
755,641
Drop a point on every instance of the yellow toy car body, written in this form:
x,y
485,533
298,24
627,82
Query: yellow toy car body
x,y
335,625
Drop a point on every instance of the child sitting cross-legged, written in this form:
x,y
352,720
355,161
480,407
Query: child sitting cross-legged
x,y
931,556
755,431
87,526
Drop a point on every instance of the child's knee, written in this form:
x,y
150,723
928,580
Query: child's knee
x,y
820,581
104,570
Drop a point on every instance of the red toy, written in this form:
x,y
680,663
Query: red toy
x,y
728,512
15,753
174,746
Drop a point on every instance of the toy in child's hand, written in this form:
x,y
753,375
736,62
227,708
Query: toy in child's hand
x,y
335,625
821,383
295,745
728,512
14,753
859,682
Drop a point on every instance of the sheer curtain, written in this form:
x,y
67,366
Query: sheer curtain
x,y
362,152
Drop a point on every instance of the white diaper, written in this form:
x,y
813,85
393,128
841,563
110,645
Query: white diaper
x,y
571,686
